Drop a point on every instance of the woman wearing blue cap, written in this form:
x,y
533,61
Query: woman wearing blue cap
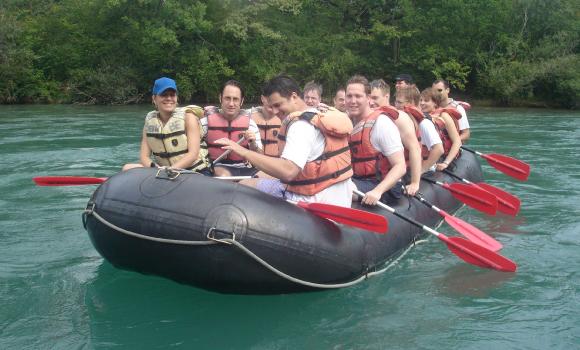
x,y
172,134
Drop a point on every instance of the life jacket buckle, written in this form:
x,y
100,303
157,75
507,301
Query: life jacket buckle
x,y
211,235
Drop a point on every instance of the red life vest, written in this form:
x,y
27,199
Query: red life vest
x,y
366,160
334,165
219,127
269,130
442,130
418,115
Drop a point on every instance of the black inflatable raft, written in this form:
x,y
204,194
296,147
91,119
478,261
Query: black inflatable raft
x,y
226,237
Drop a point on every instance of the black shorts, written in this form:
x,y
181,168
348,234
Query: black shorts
x,y
389,197
239,171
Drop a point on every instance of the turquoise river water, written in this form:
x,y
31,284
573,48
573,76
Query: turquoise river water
x,y
58,293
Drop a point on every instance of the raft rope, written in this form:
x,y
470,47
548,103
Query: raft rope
x,y
138,235
389,264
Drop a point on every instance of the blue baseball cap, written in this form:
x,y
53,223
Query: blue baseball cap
x,y
163,84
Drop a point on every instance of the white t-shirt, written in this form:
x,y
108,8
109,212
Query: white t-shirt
x,y
429,135
385,136
305,143
252,127
463,122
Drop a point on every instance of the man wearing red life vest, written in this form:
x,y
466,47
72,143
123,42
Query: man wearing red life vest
x,y
269,125
232,123
442,86
407,99
314,164
380,94
376,148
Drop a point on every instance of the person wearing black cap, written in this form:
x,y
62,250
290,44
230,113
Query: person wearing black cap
x,y
171,134
403,80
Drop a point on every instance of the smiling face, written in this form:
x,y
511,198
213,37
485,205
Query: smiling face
x,y
427,105
379,98
267,110
231,101
357,101
166,102
282,106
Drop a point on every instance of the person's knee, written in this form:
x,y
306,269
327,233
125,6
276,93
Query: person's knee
x,y
221,171
131,166
250,182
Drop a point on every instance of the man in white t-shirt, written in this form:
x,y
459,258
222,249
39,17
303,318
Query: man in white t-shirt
x,y
407,99
303,145
377,157
442,86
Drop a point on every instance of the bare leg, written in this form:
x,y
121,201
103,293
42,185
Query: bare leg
x,y
250,182
221,171
131,166
263,175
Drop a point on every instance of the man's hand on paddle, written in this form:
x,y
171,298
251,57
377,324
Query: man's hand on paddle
x,y
228,144
372,197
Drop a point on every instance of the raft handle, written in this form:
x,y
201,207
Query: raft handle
x,y
211,235
170,174
88,211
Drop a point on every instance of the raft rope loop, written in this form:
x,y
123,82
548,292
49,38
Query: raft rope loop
x,y
90,210
172,174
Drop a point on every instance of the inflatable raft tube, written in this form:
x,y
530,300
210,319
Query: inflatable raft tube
x,y
226,237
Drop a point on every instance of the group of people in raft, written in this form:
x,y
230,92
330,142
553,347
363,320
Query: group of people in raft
x,y
298,148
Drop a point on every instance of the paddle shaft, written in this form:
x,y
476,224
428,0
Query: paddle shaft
x,y
468,251
474,197
406,218
226,153
469,231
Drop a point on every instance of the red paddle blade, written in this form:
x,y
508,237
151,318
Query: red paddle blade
x,y
473,233
348,216
508,165
475,254
67,180
474,197
507,203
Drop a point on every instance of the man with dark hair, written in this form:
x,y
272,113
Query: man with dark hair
x,y
314,165
312,94
377,152
442,86
339,100
403,80
231,122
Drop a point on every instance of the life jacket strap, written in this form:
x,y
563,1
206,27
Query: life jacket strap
x,y
165,136
168,155
320,179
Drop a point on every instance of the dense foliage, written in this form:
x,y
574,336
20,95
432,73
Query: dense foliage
x,y
110,51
